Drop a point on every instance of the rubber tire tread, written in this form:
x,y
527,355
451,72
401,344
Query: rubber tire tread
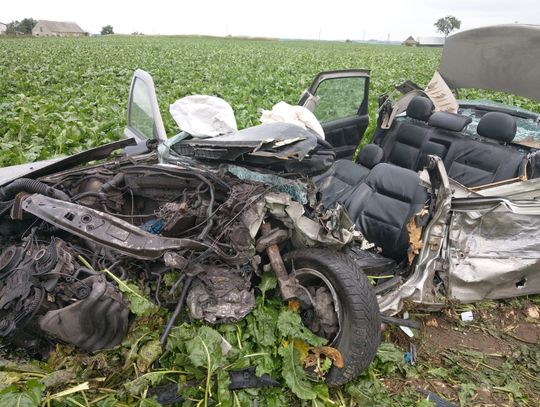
x,y
361,324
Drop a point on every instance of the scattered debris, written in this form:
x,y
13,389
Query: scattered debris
x,y
467,316
532,312
246,379
437,401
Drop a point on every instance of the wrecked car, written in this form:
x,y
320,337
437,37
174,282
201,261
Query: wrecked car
x,y
440,205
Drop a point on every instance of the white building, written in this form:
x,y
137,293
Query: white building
x,y
431,41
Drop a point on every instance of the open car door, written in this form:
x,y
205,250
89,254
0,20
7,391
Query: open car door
x,y
339,100
144,120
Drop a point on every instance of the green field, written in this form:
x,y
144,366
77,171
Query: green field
x,y
59,96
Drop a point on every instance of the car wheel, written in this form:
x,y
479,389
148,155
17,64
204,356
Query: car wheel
x,y
345,308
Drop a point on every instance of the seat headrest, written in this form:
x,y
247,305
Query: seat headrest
x,y
370,155
449,121
497,126
420,108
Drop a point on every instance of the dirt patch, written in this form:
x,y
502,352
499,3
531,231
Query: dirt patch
x,y
489,361
451,334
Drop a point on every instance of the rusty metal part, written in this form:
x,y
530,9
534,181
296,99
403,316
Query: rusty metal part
x,y
288,285
17,212
415,234
274,237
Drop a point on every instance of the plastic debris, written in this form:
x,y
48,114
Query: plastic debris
x,y
437,401
153,226
246,379
467,316
408,331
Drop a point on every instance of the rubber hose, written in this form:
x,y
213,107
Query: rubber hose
x,y
31,186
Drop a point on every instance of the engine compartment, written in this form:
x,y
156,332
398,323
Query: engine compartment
x,y
144,223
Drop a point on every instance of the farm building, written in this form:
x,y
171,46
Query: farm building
x,y
3,28
431,41
45,28
410,42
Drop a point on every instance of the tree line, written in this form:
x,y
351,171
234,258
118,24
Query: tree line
x,y
23,27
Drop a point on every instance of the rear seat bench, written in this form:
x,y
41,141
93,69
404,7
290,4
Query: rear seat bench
x,y
471,161
488,158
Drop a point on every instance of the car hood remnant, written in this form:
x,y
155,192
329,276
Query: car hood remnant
x,y
281,147
501,58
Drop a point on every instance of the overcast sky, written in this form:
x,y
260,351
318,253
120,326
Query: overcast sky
x,y
330,19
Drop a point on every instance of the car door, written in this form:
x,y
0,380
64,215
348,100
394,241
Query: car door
x,y
144,120
342,107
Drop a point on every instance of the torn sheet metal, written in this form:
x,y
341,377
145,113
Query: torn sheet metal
x,y
306,232
494,251
400,106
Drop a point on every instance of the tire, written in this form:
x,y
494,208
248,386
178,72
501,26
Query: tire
x,y
360,323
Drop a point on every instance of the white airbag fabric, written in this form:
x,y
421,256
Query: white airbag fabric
x,y
203,116
285,113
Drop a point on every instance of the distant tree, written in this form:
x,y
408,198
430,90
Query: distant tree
x,y
21,27
447,24
12,27
106,30
26,25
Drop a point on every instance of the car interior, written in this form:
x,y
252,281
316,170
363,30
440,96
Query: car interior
x,y
382,190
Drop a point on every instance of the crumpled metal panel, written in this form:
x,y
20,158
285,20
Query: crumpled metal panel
x,y
334,228
494,252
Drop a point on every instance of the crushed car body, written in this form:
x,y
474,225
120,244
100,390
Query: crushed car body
x,y
442,205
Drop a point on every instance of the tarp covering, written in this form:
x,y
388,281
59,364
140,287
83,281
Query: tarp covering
x,y
502,58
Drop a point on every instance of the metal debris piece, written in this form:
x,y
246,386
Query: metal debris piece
x,y
247,379
220,295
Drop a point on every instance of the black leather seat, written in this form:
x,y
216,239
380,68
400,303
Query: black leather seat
x,y
403,142
335,184
383,204
474,162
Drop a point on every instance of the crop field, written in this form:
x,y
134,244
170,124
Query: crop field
x,y
60,96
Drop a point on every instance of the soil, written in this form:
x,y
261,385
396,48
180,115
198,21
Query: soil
x,y
475,349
